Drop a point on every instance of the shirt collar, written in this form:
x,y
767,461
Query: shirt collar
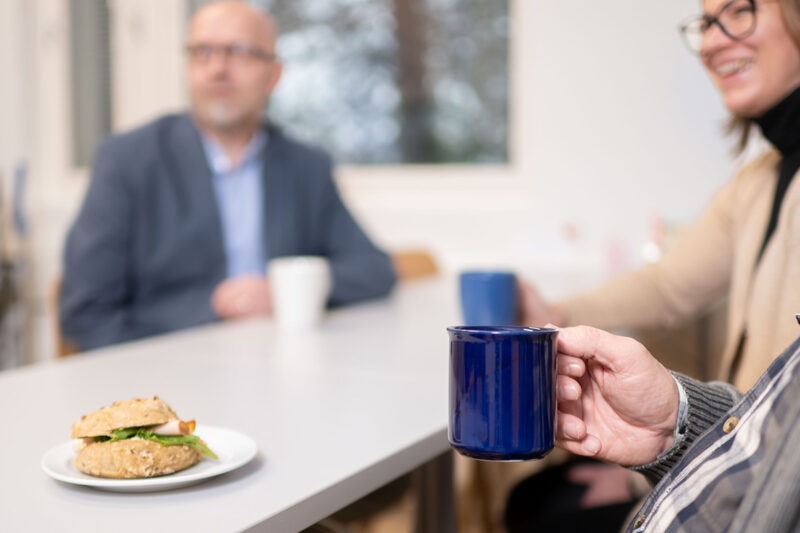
x,y
218,160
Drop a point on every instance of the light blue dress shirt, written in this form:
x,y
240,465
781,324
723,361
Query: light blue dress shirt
x,y
240,196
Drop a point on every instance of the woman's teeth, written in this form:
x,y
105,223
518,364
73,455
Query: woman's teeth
x,y
732,67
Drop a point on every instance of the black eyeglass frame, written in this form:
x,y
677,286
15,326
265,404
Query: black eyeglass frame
x,y
710,20
195,52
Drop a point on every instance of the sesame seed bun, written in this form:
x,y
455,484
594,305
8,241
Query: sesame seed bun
x,y
123,414
134,458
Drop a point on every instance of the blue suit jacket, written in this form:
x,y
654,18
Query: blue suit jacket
x,y
146,250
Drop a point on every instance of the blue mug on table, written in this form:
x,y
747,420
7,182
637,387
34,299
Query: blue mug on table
x,y
502,391
488,297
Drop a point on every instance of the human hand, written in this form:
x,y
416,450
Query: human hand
x,y
616,402
606,484
535,310
242,296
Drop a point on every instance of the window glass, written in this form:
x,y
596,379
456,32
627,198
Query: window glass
x,y
395,81
90,77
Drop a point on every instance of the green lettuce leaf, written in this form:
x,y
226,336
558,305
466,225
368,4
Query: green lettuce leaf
x,y
192,441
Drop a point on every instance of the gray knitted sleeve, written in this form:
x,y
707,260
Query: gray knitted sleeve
x,y
706,403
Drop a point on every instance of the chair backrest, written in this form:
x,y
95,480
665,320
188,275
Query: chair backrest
x,y
414,264
63,346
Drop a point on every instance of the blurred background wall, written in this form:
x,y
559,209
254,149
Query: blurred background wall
x,y
614,137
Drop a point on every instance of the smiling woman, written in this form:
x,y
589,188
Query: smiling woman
x,y
404,81
740,251
756,62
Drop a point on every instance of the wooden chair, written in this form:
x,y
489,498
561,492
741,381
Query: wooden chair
x,y
64,347
414,264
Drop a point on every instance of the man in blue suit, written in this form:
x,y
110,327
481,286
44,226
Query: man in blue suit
x,y
183,213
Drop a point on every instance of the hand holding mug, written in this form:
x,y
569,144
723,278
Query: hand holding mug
x,y
535,310
242,296
616,402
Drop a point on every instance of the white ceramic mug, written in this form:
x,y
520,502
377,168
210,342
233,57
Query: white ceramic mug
x,y
300,287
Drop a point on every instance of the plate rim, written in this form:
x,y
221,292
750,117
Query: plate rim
x,y
247,451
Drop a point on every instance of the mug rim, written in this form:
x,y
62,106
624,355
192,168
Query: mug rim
x,y
500,330
487,273
298,259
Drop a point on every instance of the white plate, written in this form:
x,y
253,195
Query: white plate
x,y
234,449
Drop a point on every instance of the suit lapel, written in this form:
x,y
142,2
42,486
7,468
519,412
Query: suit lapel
x,y
278,208
192,177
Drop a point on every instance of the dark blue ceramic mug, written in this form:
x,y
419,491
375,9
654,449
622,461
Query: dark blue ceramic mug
x,y
488,297
502,391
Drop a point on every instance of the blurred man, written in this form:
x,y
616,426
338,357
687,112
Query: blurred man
x,y
183,213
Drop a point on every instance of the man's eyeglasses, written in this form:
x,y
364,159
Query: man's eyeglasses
x,y
736,19
237,53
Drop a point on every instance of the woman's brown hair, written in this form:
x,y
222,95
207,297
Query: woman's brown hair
x,y
740,126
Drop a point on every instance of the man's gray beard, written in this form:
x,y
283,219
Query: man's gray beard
x,y
222,116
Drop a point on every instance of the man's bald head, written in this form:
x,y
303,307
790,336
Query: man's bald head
x,y
232,68
263,27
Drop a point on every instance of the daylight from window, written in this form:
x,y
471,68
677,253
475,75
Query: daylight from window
x,y
395,81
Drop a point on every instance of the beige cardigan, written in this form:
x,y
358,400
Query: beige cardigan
x,y
714,258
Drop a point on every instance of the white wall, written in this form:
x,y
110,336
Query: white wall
x,y
613,122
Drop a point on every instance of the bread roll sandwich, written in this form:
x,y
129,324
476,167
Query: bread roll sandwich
x,y
136,438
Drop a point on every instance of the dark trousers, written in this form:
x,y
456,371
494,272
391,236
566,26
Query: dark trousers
x,y
548,501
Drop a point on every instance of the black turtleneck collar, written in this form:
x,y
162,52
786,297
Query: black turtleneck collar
x,y
781,124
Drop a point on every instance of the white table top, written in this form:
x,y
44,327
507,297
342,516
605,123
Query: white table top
x,y
335,412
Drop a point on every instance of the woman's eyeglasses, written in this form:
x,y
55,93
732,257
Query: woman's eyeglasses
x,y
736,19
